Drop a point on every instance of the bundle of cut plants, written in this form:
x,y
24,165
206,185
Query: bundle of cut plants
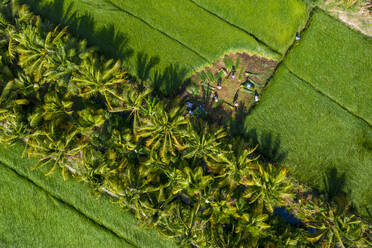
x,y
78,114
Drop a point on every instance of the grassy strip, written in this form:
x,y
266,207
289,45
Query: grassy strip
x,y
275,22
30,217
76,194
186,22
337,61
314,137
119,35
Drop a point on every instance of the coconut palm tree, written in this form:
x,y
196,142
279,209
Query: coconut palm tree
x,y
183,223
234,223
89,119
250,228
7,40
332,225
135,103
92,167
56,107
37,55
164,132
206,145
11,127
53,148
270,185
239,169
188,181
149,106
99,77
23,86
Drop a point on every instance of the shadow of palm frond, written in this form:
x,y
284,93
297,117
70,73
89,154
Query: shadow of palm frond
x,y
111,42
268,145
169,82
145,64
334,184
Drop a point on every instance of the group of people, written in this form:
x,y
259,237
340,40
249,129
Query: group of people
x,y
248,84
192,108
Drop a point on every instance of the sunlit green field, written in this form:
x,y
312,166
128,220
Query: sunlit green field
x,y
337,61
275,22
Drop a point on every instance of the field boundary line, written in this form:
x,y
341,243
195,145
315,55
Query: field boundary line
x,y
69,205
282,62
237,27
118,8
304,28
329,97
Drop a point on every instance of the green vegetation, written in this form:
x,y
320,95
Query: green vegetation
x,y
77,195
192,26
314,136
139,31
337,61
82,115
30,217
330,220
275,22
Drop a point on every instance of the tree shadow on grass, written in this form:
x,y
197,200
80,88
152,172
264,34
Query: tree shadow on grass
x,y
145,64
112,43
236,125
169,82
369,213
334,183
268,145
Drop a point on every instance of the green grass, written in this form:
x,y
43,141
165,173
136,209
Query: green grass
x,y
337,61
275,22
315,137
31,217
186,22
175,32
73,193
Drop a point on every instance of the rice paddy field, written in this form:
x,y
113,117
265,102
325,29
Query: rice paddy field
x,y
318,111
345,76
273,22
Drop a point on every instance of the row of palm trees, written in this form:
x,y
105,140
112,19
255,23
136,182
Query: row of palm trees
x,y
78,112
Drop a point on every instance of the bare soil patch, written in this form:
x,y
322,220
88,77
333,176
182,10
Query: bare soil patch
x,y
232,89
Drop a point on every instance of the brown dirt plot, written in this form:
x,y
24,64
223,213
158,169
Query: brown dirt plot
x,y
199,93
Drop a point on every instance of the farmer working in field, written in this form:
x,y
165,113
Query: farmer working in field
x,y
256,99
236,96
219,81
215,97
233,71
